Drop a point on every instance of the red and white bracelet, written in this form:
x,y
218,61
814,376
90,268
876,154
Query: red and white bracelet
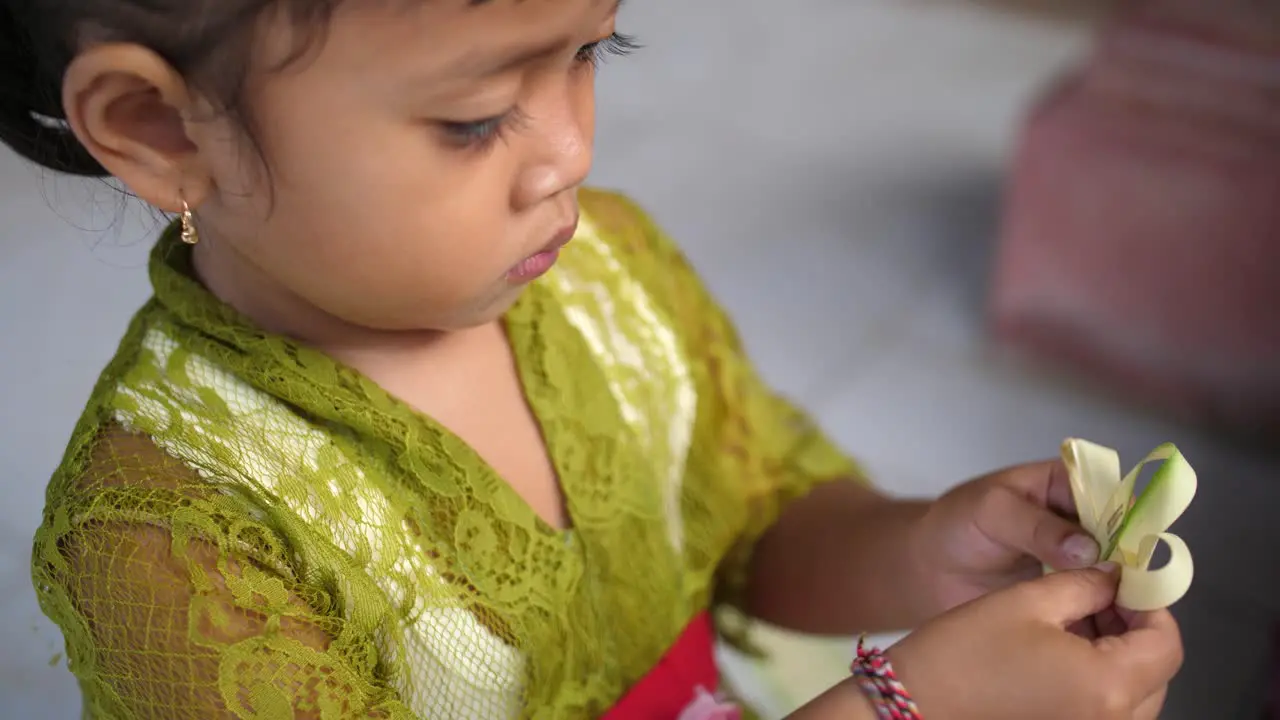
x,y
875,676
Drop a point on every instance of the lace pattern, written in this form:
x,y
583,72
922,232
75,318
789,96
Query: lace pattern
x,y
244,528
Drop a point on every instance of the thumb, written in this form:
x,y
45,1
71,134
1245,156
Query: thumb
x,y
1016,522
1066,597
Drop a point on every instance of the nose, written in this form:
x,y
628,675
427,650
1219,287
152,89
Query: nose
x,y
561,133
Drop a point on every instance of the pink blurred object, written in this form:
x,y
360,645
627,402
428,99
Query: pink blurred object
x,y
707,706
1141,241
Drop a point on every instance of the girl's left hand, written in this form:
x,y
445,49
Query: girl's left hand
x,y
998,530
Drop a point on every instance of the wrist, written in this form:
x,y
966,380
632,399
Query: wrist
x,y
844,701
876,677
889,551
897,532
920,571
859,706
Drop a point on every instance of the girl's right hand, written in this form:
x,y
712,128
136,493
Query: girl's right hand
x,y
1011,655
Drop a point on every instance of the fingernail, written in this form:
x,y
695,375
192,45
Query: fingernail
x,y
1107,567
1081,548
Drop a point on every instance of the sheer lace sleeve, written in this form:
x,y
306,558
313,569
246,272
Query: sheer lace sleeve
x,y
177,603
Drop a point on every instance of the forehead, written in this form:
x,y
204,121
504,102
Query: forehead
x,y
439,36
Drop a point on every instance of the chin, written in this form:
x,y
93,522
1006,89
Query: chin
x,y
490,312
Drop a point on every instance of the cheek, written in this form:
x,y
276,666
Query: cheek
x,y
371,220
430,247
395,241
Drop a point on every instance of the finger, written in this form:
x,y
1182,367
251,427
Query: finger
x,y
1085,628
1159,620
1148,655
1014,521
1151,707
1058,495
1111,622
1046,482
1129,617
1067,597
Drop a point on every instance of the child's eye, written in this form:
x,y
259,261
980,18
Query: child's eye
x,y
471,132
616,44
479,133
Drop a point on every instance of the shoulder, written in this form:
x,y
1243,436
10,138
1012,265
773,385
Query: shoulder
x,y
620,221
123,487
616,225
149,462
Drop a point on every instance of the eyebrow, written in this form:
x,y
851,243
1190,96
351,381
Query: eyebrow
x,y
524,55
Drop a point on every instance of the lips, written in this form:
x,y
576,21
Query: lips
x,y
542,261
562,238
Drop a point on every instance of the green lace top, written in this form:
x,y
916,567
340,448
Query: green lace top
x,y
242,527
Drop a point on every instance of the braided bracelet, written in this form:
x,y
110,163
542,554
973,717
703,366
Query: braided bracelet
x,y
878,682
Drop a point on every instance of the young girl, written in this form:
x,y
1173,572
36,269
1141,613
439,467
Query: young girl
x,y
367,453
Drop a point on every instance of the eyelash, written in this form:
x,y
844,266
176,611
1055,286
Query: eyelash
x,y
617,44
479,134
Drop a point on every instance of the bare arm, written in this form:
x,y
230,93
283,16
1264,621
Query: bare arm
x,y
837,563
842,702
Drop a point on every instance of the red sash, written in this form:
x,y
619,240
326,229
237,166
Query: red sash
x,y
683,683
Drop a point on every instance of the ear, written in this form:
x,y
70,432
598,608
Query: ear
x,y
131,110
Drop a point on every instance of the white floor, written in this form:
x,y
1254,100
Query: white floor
x,y
834,168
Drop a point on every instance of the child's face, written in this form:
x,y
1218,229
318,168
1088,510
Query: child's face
x,y
393,201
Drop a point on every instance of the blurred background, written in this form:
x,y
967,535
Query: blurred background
x,y
841,173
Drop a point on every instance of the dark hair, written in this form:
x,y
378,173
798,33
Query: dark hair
x,y
39,38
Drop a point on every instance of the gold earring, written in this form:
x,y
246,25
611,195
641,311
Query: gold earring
x,y
190,235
